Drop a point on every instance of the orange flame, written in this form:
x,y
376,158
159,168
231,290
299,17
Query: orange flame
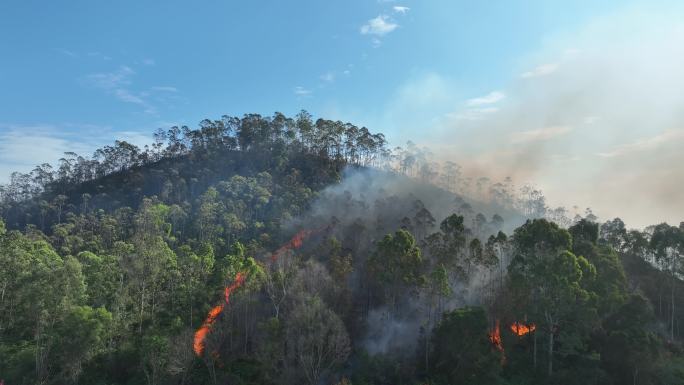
x,y
295,243
521,329
495,337
201,333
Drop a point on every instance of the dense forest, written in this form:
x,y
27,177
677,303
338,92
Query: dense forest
x,y
277,250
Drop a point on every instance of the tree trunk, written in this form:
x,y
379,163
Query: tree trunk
x,y
142,307
534,352
660,300
191,303
672,316
635,374
550,372
427,338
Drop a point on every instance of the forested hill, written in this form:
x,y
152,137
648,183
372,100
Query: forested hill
x,y
276,250
182,163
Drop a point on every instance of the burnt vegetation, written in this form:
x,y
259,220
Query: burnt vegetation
x,y
402,270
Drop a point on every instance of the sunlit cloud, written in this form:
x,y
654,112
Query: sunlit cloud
x,y
490,98
379,26
542,70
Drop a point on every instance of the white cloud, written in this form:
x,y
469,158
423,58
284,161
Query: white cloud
x,y
490,98
379,26
401,9
111,80
136,138
118,83
645,144
479,108
66,52
301,91
540,134
125,96
165,89
148,62
542,70
22,147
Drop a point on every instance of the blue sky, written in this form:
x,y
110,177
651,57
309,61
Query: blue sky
x,y
78,74
178,61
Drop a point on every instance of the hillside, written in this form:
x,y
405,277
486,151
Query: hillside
x,y
276,250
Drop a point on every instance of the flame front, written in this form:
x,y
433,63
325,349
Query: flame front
x,y
521,329
295,243
201,333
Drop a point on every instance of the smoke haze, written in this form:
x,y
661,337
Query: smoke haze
x,y
594,119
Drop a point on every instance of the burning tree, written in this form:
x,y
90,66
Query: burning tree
x,y
521,329
547,282
463,351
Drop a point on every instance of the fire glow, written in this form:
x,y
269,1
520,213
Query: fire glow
x,y
495,337
295,243
521,329
201,334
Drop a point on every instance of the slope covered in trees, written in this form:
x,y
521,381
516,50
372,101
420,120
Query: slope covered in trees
x,y
400,271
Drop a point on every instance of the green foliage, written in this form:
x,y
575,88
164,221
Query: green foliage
x,y
397,266
548,284
462,352
109,265
80,336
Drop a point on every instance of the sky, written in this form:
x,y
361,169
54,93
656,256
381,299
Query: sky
x,y
581,98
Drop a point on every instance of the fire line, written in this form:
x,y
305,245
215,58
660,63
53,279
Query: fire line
x,y
201,334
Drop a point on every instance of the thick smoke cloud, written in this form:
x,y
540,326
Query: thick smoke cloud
x,y
594,119
366,205
385,198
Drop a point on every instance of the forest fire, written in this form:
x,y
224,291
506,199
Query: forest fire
x,y
295,243
495,337
520,329
201,333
